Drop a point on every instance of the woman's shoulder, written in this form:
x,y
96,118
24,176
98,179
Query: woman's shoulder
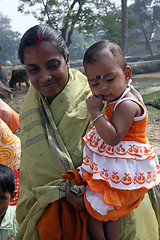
x,y
32,98
75,73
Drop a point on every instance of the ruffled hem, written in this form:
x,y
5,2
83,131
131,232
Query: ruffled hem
x,y
106,212
112,196
127,174
128,149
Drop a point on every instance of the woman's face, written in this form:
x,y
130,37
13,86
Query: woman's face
x,y
46,69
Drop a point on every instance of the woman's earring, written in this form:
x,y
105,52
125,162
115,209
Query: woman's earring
x,y
68,65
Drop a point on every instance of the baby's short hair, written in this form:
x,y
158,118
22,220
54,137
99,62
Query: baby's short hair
x,y
7,179
92,53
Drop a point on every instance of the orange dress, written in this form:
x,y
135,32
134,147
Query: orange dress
x,y
118,177
9,116
10,153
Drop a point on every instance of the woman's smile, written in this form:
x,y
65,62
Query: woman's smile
x,y
48,85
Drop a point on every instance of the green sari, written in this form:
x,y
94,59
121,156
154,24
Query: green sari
x,y
51,139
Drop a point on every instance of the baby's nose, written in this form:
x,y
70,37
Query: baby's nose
x,y
104,87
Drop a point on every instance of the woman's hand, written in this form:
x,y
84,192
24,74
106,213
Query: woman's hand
x,y
75,201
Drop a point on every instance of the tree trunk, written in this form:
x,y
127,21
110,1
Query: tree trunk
x,y
147,41
124,25
141,20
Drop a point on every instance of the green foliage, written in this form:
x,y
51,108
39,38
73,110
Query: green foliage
x,y
147,13
111,28
9,41
95,19
153,114
156,15
152,99
68,15
79,46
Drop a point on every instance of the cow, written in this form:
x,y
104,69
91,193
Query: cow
x,y
5,92
19,76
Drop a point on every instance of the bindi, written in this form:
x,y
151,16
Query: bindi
x,y
39,38
99,77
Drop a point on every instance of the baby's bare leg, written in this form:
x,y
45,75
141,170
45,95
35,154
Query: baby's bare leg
x,y
95,229
112,230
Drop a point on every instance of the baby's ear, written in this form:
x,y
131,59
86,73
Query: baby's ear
x,y
13,196
128,73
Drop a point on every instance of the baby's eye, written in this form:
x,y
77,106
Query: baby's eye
x,y
110,80
94,84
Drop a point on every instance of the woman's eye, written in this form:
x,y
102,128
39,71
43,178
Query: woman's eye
x,y
33,69
54,65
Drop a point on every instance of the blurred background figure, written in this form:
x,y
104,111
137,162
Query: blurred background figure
x,y
3,76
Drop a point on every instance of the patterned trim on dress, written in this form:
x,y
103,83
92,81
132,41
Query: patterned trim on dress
x,y
129,149
137,180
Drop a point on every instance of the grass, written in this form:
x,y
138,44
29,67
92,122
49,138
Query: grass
x,y
145,82
152,99
152,102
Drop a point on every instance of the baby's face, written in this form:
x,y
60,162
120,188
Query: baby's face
x,y
5,198
106,77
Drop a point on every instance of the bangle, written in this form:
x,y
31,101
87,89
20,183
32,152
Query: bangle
x,y
99,116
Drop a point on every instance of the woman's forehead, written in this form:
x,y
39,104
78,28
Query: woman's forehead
x,y
45,50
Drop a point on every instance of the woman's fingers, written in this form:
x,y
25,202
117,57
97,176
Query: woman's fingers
x,y
75,201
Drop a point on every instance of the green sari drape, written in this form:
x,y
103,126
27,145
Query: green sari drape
x,y
51,140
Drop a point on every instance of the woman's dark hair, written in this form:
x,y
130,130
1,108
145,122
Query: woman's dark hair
x,y
7,179
35,35
92,53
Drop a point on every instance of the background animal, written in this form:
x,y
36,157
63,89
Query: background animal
x,y
18,76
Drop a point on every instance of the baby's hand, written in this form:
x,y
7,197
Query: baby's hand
x,y
95,104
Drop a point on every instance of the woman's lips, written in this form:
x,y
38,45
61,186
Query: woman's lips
x,y
48,85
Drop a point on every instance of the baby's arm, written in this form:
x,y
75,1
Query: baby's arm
x,y
113,132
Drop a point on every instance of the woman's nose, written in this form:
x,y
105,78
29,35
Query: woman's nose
x,y
45,76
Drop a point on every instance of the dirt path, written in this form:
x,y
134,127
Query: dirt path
x,y
149,90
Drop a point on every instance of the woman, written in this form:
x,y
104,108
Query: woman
x,y
9,116
53,121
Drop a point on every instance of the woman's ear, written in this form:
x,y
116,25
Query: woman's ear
x,y
67,61
128,73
